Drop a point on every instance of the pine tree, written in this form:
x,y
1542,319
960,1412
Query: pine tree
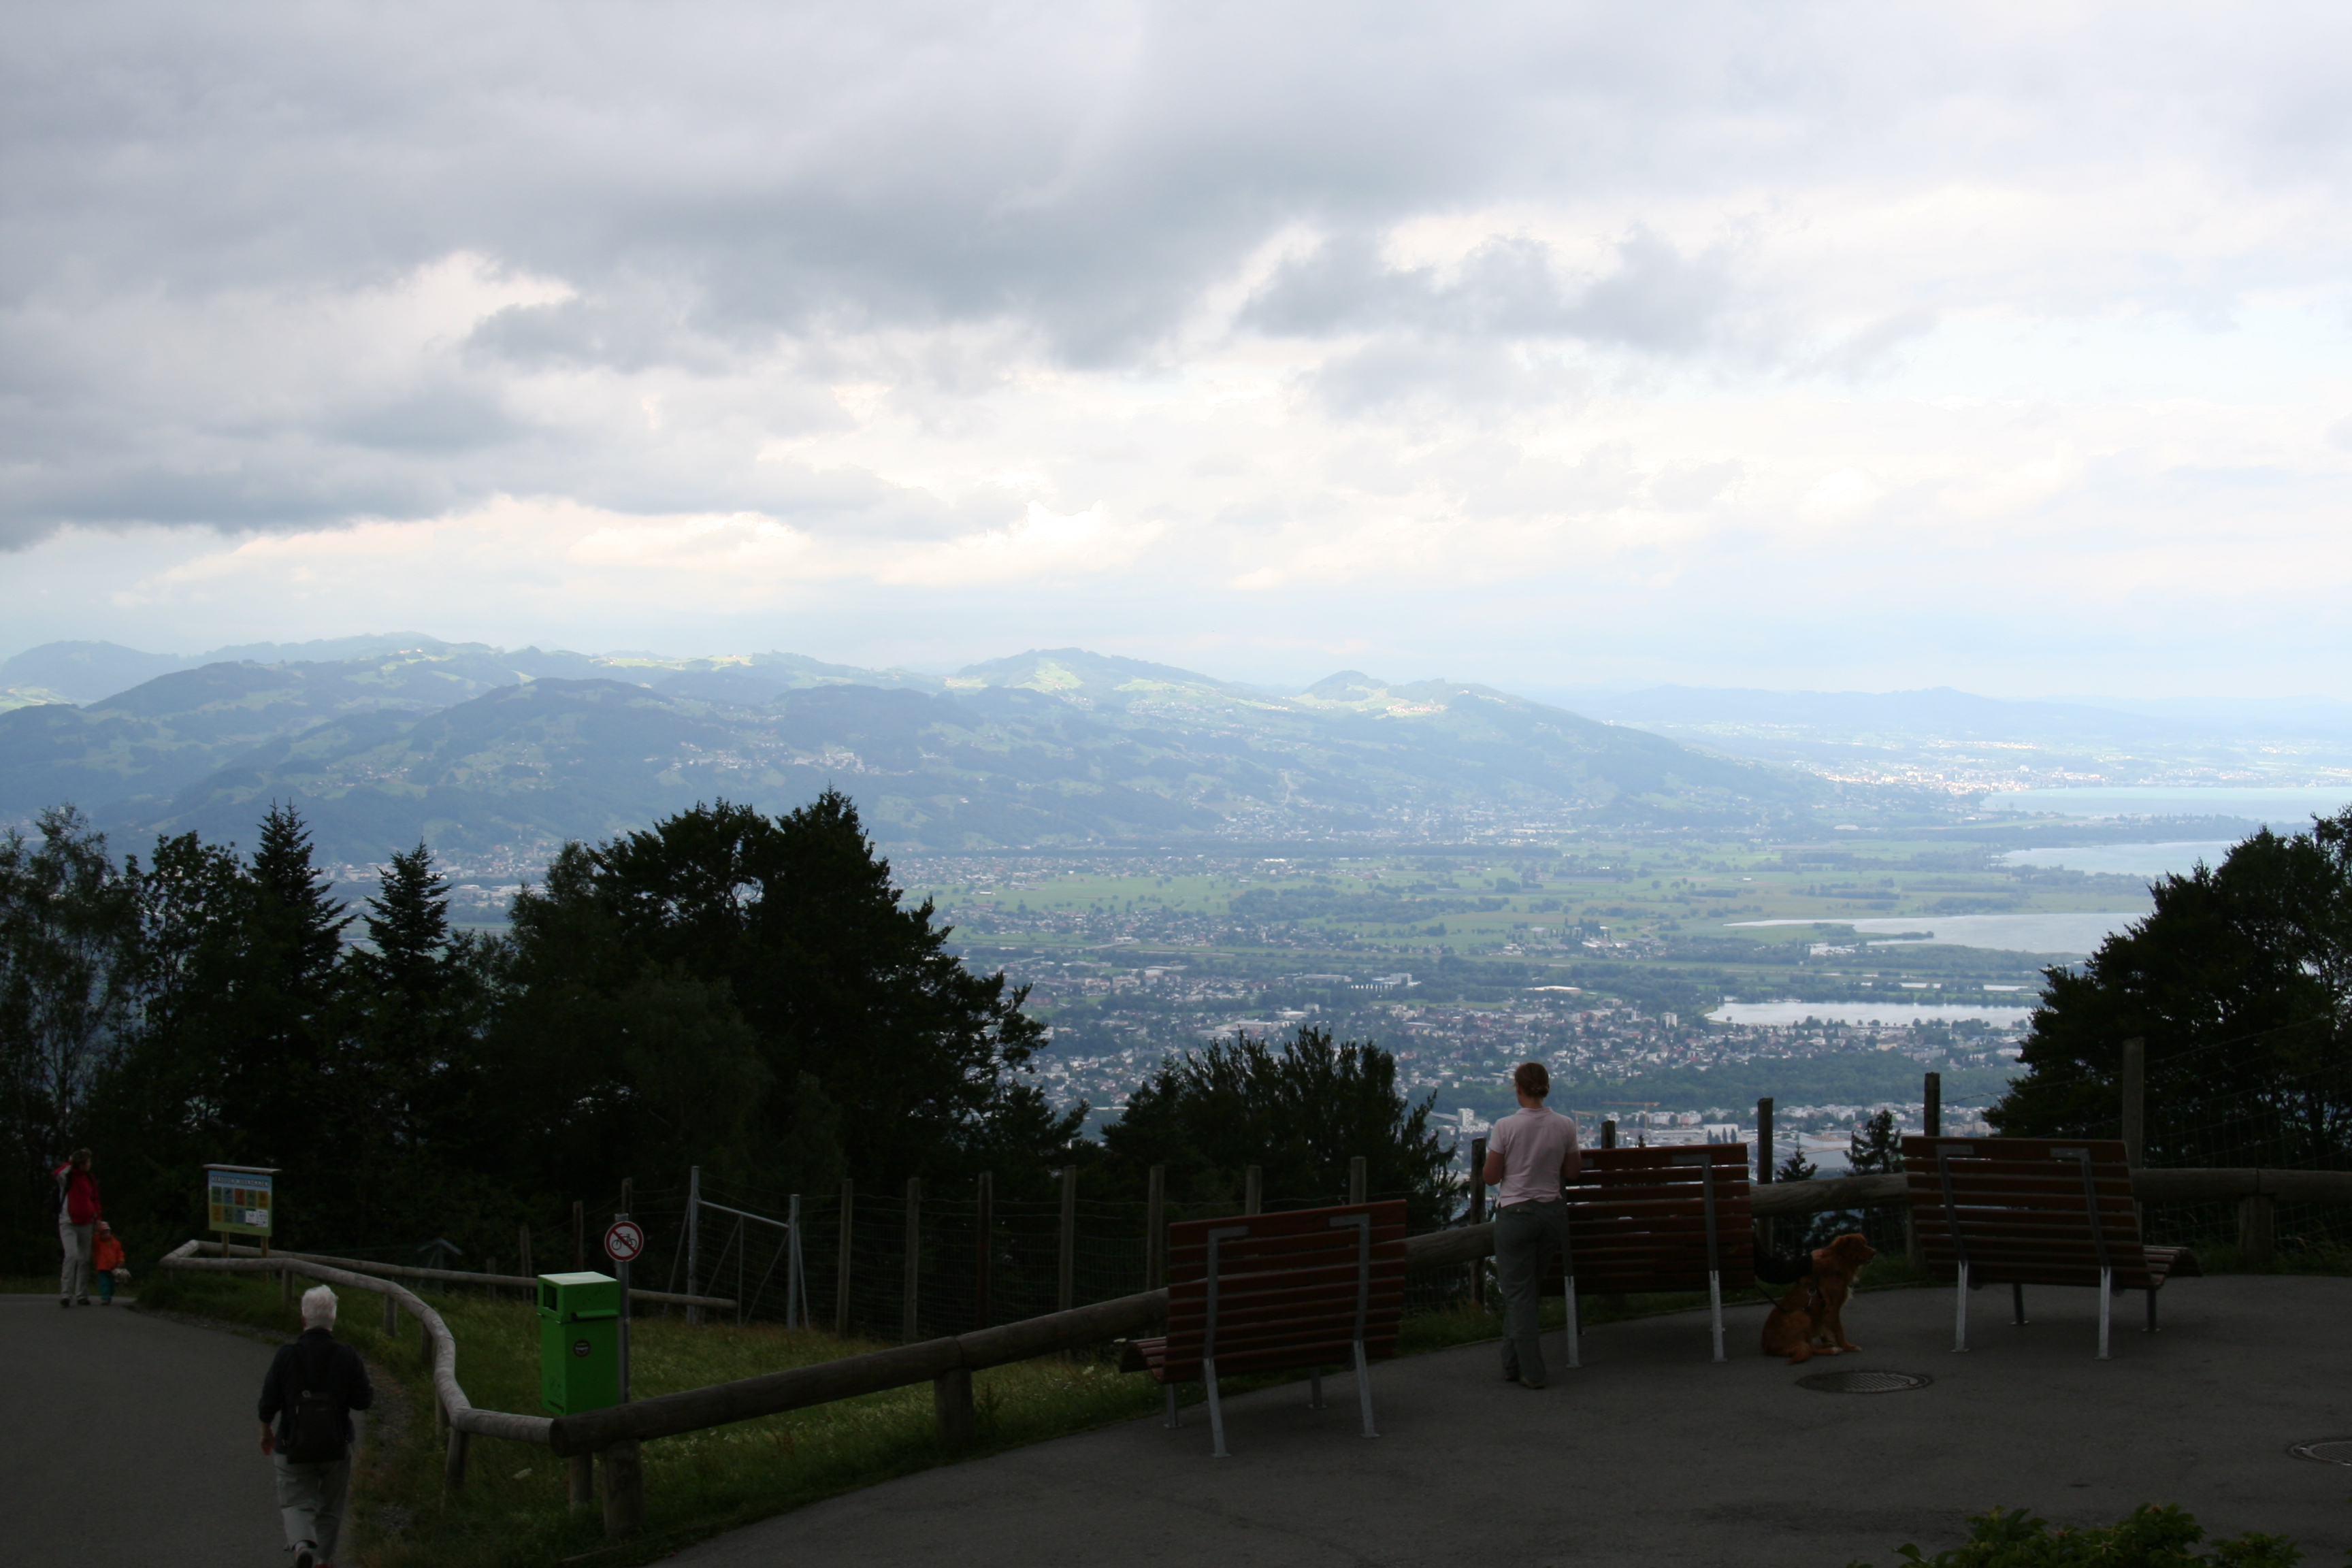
x,y
1875,1147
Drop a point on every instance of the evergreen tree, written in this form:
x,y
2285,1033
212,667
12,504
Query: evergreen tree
x,y
1875,1148
2241,983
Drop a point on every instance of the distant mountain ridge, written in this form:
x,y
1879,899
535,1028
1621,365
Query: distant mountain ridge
x,y
478,749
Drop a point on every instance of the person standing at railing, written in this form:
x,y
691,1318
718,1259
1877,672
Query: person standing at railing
x,y
1531,1156
306,1401
77,1217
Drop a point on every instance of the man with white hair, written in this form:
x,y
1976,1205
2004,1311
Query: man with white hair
x,y
306,1426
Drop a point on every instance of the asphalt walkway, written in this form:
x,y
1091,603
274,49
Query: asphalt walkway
x,y
129,1439
1653,1455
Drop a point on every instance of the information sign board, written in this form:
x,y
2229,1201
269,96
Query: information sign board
x,y
240,1200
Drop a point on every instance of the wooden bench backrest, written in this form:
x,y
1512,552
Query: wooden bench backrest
x,y
1290,1289
1637,1219
2028,1211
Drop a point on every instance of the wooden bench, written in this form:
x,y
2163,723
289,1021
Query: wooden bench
x,y
2033,1211
1672,1217
1273,1292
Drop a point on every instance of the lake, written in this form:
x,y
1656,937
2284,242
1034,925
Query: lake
x,y
2149,860
2073,932
1890,1013
2281,807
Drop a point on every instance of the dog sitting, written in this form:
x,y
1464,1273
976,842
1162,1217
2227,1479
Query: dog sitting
x,y
1809,1320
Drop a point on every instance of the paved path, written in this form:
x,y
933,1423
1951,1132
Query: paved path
x,y
128,1439
1652,1455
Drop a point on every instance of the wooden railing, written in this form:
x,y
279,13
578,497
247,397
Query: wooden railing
x,y
948,1363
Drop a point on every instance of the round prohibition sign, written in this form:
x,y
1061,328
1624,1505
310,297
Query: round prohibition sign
x,y
624,1240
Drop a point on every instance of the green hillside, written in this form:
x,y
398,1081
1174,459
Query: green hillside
x,y
473,748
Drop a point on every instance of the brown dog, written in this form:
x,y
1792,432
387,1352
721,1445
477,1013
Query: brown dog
x,y
1809,1320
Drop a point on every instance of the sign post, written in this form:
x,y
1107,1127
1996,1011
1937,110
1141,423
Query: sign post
x,y
622,1241
240,1200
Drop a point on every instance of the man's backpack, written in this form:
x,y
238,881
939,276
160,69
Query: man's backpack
x,y
316,1418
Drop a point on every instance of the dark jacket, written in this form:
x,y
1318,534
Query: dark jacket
x,y
345,1377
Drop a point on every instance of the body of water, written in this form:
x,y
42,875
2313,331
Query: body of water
x,y
1889,1013
2280,807
2149,860
2069,933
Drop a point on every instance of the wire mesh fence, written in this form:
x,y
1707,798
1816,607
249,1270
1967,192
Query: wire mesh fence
x,y
899,1265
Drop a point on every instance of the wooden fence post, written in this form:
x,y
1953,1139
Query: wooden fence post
x,y
1155,1228
1065,1294
1764,1238
391,1317
1932,1117
1357,1180
2257,1230
522,1252
951,1404
580,1478
624,1489
1609,1133
2134,1106
453,1466
1479,1215
914,1259
1253,1189
841,1268
984,1250
286,1286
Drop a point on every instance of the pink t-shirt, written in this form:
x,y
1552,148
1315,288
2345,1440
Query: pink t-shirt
x,y
1532,1144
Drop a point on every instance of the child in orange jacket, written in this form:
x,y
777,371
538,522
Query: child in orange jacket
x,y
105,1258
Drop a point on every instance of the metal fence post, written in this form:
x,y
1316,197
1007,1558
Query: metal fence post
x,y
1065,1294
841,1268
694,1240
1155,1228
984,1250
1253,1189
522,1255
579,1235
914,1259
1357,1178
795,1281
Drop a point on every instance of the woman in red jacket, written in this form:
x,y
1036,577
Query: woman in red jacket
x,y
78,1215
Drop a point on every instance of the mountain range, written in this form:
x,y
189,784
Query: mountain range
x,y
494,754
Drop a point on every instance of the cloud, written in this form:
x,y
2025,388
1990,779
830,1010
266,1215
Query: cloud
x,y
1594,303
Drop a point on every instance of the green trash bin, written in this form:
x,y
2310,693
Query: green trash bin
x,y
579,1342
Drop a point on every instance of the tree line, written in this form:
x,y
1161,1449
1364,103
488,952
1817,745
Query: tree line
x,y
745,992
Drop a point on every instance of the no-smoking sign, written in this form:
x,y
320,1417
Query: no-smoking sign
x,y
624,1240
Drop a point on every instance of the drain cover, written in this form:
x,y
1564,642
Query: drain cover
x,y
2326,1450
1875,1383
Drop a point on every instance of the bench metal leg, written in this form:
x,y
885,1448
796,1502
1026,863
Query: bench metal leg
x,y
1172,1422
2017,1301
1960,1313
2106,1307
1364,1388
1216,1411
1315,1389
1715,1304
1575,1330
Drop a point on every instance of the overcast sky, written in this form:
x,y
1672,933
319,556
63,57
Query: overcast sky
x,y
1857,346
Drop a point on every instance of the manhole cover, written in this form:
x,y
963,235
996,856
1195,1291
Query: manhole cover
x,y
1865,1382
2326,1450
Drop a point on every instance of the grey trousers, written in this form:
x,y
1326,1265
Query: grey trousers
x,y
73,1275
1526,1236
310,1500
